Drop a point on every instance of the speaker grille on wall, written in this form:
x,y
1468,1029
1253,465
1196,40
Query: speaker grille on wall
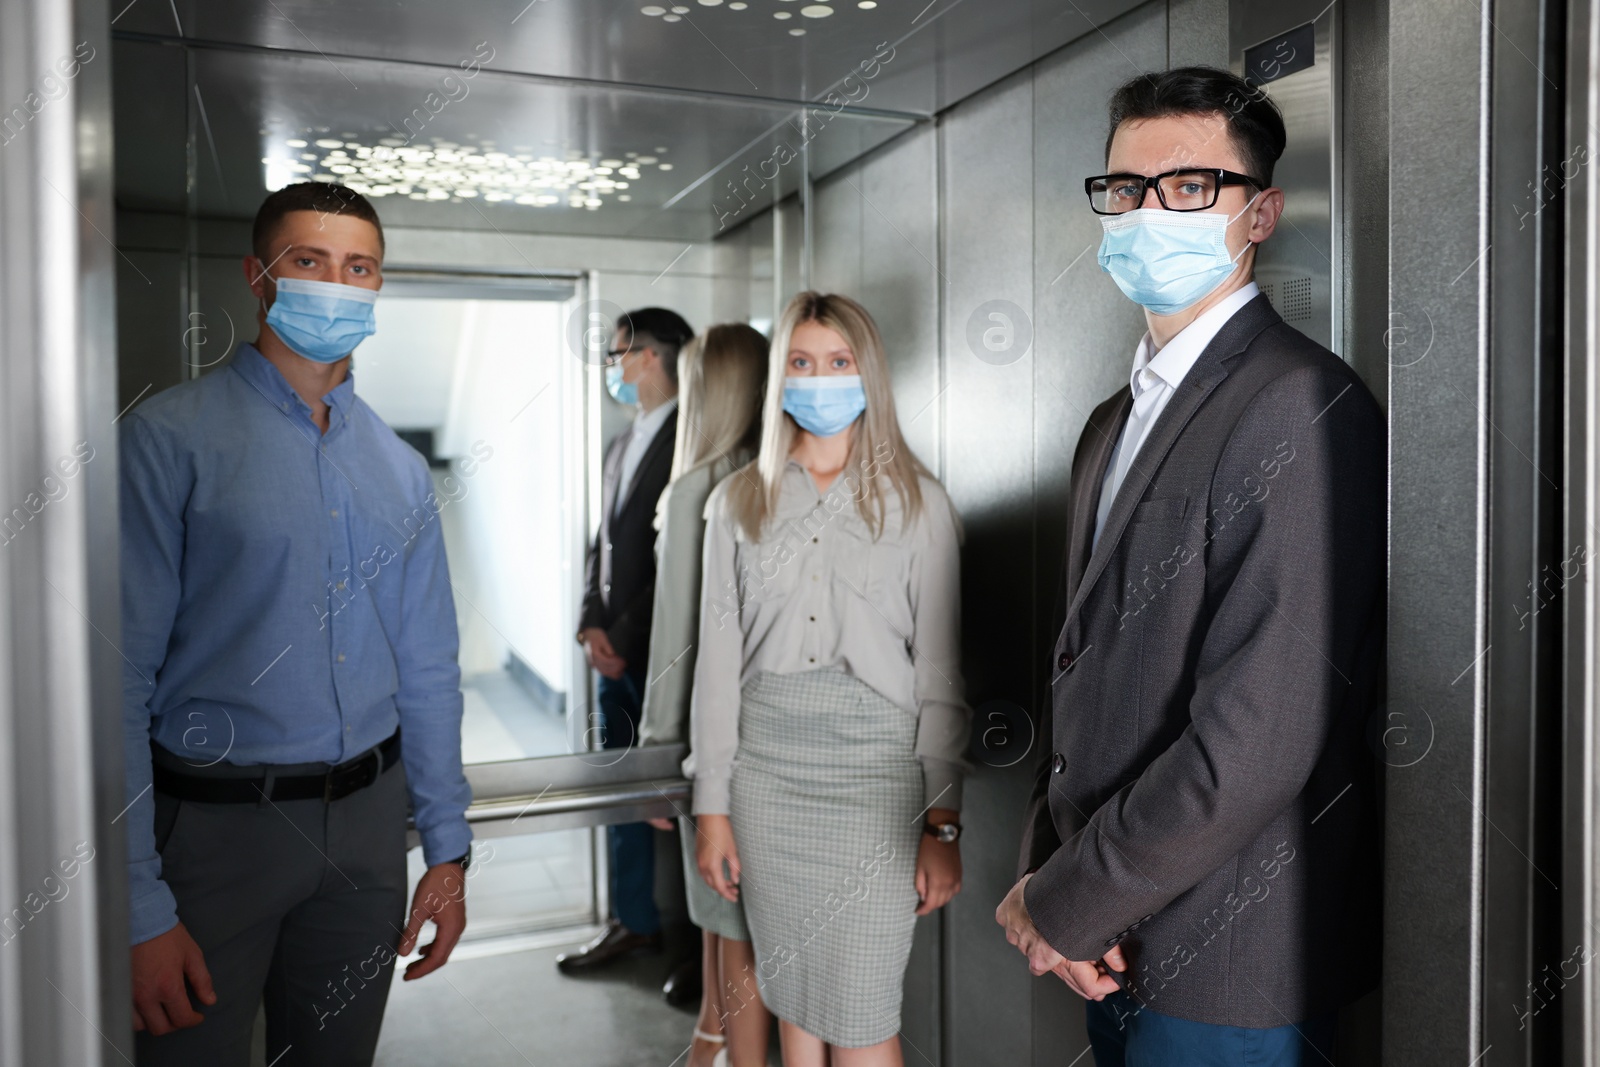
x,y
1293,302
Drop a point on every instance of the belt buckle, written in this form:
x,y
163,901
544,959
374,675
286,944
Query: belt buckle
x,y
351,777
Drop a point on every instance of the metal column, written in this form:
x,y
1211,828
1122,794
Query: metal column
x,y
63,931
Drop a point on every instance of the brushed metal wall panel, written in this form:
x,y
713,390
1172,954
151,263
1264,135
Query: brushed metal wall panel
x,y
899,282
1433,897
987,218
836,234
1197,32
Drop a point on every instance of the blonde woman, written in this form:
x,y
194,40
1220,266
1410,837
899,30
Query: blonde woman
x,y
827,718
719,410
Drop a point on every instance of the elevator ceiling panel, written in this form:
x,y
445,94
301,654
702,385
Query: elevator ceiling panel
x,y
557,116
942,50
465,151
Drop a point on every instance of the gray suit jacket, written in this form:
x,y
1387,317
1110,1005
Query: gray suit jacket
x,y
1208,803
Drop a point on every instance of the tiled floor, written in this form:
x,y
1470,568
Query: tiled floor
x,y
516,1009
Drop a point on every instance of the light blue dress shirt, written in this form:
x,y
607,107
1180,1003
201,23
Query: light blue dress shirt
x,y
285,599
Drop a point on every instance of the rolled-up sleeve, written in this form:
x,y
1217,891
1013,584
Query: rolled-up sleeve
x,y
944,721
152,557
429,701
714,704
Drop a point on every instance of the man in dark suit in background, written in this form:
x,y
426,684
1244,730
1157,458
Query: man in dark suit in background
x,y
614,621
1200,860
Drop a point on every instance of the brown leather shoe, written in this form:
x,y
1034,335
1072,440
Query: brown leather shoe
x,y
617,942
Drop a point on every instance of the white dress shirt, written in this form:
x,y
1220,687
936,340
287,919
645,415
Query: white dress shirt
x,y
646,425
1155,378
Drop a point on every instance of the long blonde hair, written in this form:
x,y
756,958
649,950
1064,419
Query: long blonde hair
x,y
878,451
719,391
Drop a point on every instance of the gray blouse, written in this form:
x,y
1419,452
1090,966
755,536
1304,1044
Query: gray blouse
x,y
680,518
817,591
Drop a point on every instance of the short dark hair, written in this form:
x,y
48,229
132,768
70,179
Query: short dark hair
x,y
325,198
666,328
1254,121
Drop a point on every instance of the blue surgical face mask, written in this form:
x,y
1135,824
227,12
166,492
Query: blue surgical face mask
x,y
826,404
622,392
1166,261
322,321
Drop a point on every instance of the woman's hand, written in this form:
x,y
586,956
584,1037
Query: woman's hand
x,y
714,848
938,867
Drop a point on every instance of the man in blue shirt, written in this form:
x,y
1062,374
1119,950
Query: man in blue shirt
x,y
286,615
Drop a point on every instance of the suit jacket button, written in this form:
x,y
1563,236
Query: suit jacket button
x,y
1064,661
1058,763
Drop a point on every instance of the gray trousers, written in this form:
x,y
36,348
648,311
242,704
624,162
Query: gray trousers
x,y
297,905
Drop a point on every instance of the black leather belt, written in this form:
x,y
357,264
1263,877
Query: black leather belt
x,y
339,781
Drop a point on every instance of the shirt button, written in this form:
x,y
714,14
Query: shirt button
x,y
334,513
813,659
608,546
341,657
1064,661
813,618
813,540
1058,763
339,586
814,578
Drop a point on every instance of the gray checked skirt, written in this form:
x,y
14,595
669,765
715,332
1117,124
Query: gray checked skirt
x,y
825,804
708,909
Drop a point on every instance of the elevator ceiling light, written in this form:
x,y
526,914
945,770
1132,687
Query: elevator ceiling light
x,y
813,10
446,170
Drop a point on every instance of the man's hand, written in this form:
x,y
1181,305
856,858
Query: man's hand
x,y
160,998
441,896
663,824
1089,979
602,657
712,847
938,866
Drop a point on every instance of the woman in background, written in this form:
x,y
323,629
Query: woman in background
x,y
719,407
827,716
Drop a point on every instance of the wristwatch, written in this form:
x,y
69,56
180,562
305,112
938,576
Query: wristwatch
x,y
943,832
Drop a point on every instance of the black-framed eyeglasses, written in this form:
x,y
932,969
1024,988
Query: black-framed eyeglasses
x,y
615,355
1188,189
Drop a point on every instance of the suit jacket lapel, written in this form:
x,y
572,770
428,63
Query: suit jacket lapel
x,y
1208,371
1105,423
664,439
611,475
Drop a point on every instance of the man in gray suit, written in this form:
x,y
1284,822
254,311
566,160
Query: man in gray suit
x,y
1200,859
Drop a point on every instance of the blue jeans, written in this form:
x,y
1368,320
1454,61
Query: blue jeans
x,y
1124,1035
632,845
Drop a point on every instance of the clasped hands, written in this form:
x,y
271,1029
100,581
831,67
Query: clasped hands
x,y
1090,979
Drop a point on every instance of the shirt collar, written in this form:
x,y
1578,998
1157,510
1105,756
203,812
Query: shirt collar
x,y
646,423
1171,364
259,372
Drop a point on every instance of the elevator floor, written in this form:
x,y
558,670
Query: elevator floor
x,y
516,1009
